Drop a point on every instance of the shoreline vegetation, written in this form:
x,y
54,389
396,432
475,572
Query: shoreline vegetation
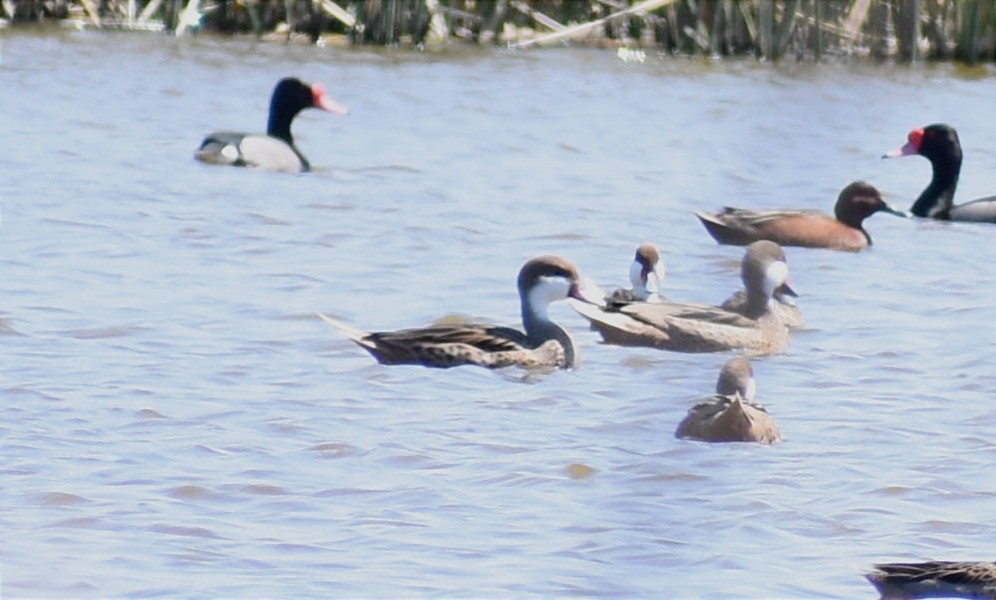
x,y
907,30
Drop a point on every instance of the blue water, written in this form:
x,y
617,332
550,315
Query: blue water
x,y
176,422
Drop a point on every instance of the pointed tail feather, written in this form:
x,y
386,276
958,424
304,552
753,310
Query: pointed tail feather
x,y
706,217
357,335
721,232
711,224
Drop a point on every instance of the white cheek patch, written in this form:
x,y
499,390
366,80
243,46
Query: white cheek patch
x,y
554,288
775,275
547,290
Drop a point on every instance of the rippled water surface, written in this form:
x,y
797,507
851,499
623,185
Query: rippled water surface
x,y
177,422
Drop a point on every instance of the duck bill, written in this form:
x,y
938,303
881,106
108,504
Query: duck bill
x,y
785,294
892,210
907,149
328,104
322,101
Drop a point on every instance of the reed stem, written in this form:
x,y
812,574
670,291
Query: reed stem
x,y
814,29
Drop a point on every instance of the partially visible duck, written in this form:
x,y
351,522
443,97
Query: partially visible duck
x,y
939,144
544,344
646,273
806,228
274,151
731,415
935,579
703,328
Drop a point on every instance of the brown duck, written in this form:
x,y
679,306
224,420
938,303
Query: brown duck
x,y
703,328
731,415
935,579
544,344
806,228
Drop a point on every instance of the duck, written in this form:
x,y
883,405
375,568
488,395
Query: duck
x,y
274,151
804,227
678,327
939,144
935,579
543,345
646,273
731,415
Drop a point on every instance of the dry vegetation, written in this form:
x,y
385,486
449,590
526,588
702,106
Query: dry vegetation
x,y
804,29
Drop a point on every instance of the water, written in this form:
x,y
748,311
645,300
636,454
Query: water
x,y
176,422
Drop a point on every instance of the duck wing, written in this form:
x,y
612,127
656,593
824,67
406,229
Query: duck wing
x,y
667,313
455,344
672,326
982,210
250,150
933,579
739,226
445,346
698,328
755,217
483,337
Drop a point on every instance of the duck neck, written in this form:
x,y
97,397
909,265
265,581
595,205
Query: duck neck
x,y
868,238
279,127
540,329
937,199
851,218
855,222
758,304
281,116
